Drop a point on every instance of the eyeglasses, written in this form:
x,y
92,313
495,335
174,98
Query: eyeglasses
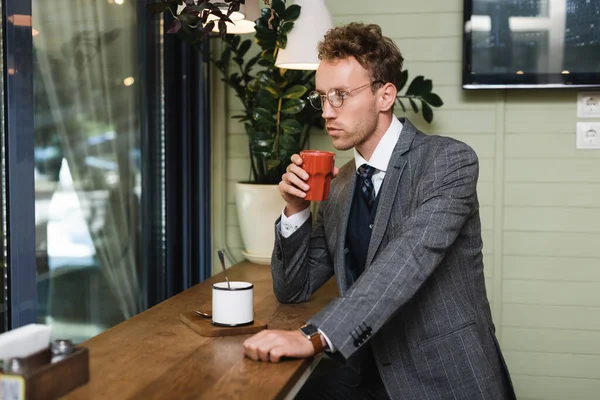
x,y
335,97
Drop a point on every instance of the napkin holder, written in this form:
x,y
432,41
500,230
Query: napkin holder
x,y
46,380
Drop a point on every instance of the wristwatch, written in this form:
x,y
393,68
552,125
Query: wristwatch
x,y
312,333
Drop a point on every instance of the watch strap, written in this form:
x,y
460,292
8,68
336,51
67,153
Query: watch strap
x,y
316,341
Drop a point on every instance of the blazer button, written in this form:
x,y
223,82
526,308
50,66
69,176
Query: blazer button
x,y
279,253
370,226
356,342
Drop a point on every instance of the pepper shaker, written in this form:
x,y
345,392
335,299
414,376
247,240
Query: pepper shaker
x,y
61,348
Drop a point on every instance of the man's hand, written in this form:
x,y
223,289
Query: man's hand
x,y
271,345
293,186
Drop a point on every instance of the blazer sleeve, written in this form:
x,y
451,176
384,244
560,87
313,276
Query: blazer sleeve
x,y
300,263
447,200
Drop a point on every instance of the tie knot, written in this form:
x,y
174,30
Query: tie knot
x,y
366,171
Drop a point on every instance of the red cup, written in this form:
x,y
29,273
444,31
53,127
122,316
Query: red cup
x,y
319,166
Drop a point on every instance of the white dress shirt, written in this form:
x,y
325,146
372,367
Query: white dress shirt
x,y
379,159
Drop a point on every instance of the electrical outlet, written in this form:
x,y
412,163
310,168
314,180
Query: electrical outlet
x,y
588,104
588,135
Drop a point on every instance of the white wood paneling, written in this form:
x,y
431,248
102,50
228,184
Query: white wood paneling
x,y
552,244
540,120
551,340
431,49
360,8
547,146
552,219
558,171
430,25
553,364
548,194
550,317
583,294
552,388
565,269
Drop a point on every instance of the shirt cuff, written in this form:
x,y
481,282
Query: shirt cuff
x,y
330,348
290,224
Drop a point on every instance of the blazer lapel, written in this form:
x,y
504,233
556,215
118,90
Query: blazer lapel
x,y
389,188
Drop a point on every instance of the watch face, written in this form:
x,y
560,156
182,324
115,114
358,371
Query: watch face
x,y
309,330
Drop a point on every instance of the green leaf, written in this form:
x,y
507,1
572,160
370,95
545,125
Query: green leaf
x,y
265,63
414,105
427,87
265,13
157,8
288,143
225,57
292,13
272,90
244,48
295,92
279,7
401,104
433,100
427,112
263,116
292,106
235,41
250,64
267,101
272,164
262,146
281,41
286,28
402,80
415,86
291,127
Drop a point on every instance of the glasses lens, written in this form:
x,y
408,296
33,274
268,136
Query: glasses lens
x,y
335,98
315,100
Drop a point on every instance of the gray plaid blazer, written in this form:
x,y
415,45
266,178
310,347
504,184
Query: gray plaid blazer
x,y
421,302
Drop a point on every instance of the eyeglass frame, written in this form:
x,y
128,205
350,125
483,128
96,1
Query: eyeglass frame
x,y
342,95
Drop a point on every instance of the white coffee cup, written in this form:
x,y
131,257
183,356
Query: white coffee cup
x,y
232,307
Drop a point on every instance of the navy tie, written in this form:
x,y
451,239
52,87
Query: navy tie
x,y
365,172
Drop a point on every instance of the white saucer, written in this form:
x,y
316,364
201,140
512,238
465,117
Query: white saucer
x,y
256,259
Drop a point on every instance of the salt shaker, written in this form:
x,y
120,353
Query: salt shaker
x,y
15,366
60,349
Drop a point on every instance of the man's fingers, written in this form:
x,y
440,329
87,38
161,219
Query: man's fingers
x,y
275,354
296,159
335,171
296,170
289,189
296,181
251,345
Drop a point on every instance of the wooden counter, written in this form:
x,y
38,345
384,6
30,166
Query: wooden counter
x,y
155,356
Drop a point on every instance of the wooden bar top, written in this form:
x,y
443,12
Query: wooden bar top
x,y
155,356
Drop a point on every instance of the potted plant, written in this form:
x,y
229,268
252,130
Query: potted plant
x,y
276,116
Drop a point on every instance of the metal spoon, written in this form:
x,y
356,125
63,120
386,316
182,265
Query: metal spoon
x,y
203,314
222,259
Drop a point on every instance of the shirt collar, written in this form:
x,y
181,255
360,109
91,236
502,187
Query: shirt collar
x,y
383,152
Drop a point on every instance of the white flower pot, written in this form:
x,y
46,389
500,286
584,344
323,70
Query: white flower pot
x,y
258,206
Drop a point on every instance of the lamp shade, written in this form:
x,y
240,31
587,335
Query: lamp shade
x,y
301,49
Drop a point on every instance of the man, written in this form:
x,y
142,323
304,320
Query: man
x,y
400,231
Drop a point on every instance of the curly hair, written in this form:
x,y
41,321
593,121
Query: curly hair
x,y
376,53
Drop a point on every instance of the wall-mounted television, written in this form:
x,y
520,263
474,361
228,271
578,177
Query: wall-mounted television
x,y
531,44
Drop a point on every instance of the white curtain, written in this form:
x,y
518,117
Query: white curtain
x,y
85,57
